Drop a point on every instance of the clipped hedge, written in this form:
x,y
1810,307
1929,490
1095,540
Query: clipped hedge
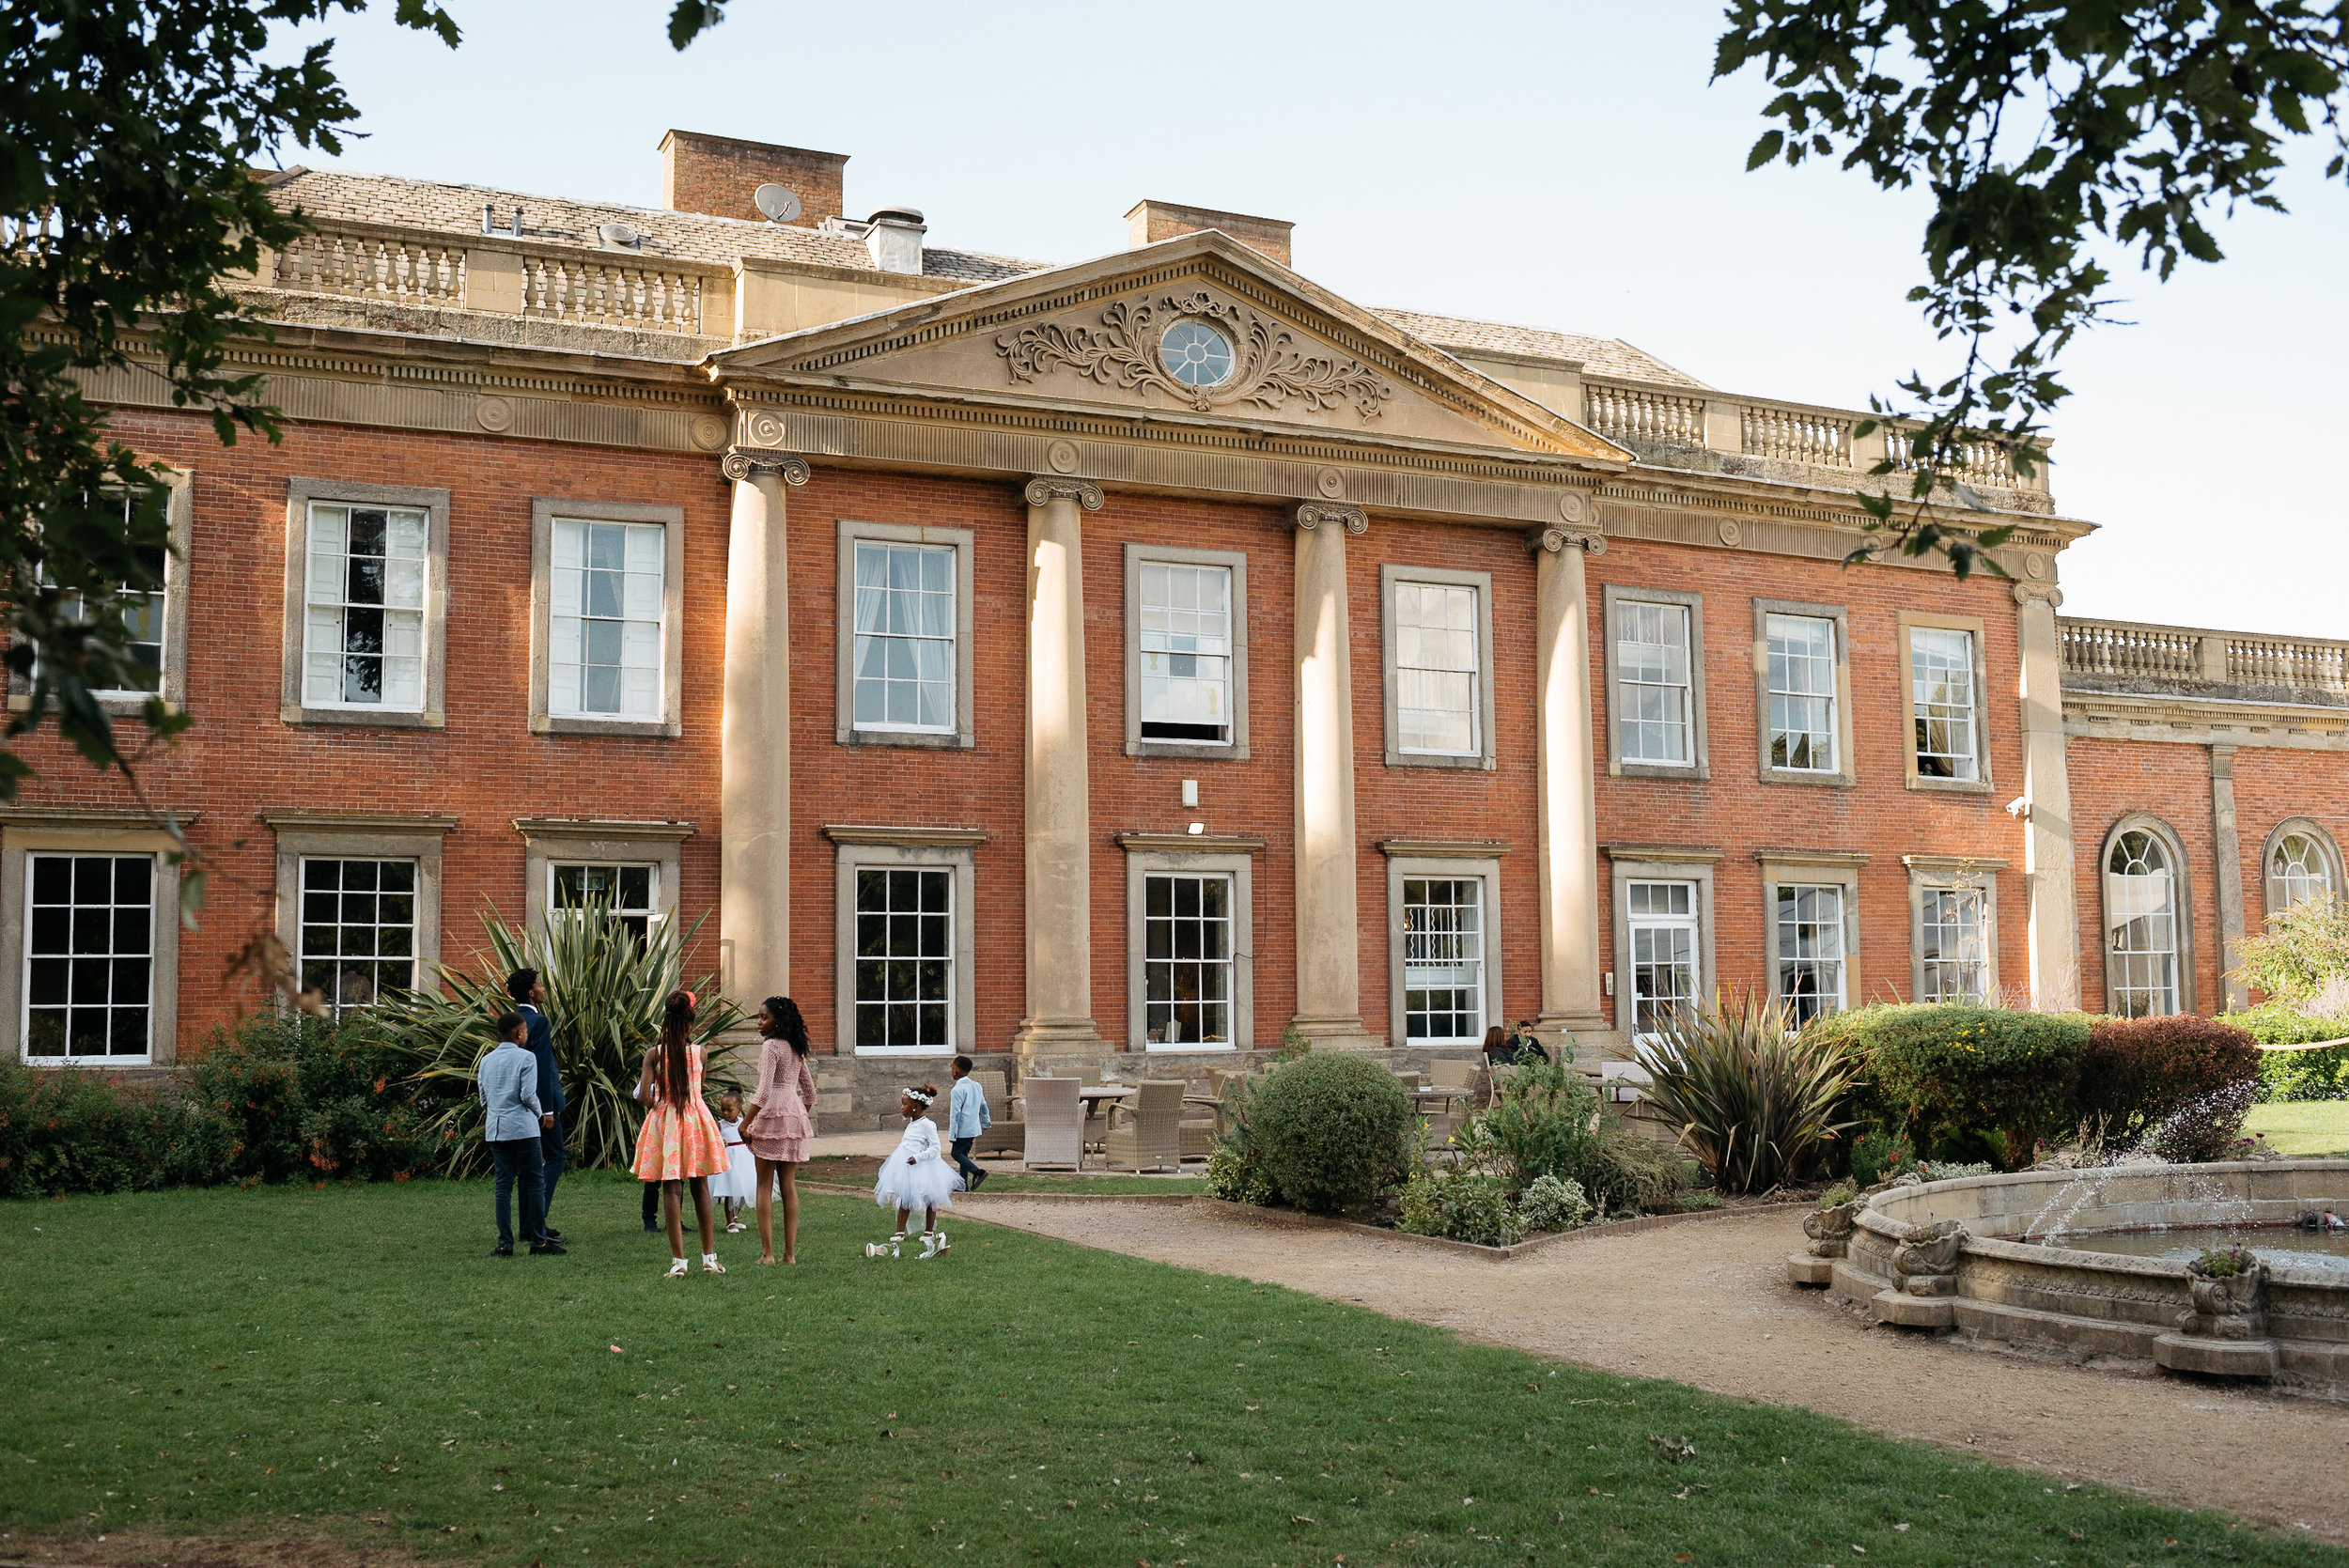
x,y
2296,1075
1943,1070
2140,1073
1330,1131
283,1098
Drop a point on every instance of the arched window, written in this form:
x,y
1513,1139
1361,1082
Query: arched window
x,y
2302,862
2145,937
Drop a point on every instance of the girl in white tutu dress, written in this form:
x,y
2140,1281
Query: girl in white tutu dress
x,y
916,1176
737,1184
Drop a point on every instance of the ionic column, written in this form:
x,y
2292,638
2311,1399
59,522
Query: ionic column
x,y
2227,850
1059,1019
1328,928
2046,803
1567,828
754,728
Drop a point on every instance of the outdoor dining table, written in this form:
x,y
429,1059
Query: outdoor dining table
x,y
1093,1091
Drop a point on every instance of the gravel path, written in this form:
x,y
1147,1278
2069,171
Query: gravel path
x,y
1708,1304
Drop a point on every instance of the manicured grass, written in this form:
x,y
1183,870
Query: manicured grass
x,y
2299,1126
351,1361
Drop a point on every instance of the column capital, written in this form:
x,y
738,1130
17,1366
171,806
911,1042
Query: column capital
x,y
1045,488
2039,593
1312,514
744,462
1554,539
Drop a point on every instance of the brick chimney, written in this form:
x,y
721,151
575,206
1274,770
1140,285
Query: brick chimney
x,y
716,175
1153,220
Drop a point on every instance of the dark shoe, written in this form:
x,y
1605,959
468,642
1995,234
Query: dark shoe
x,y
503,1249
652,1229
545,1249
554,1235
980,1180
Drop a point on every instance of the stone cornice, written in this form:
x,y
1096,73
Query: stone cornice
x,y
1191,844
116,818
843,832
599,828
422,823
1810,857
1663,854
1955,862
1444,848
2176,719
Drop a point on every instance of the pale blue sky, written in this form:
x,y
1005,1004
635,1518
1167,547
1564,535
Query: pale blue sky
x,y
1564,165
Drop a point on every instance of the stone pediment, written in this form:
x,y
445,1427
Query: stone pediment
x,y
1195,328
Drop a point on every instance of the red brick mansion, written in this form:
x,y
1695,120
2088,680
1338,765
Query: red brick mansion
x,y
1154,653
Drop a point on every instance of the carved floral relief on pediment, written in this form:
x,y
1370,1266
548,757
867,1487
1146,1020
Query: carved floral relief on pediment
x,y
1201,352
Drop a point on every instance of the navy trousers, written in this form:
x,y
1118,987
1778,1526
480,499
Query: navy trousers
x,y
551,1159
518,1167
970,1172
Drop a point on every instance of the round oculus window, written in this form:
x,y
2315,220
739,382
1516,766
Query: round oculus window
x,y
1196,354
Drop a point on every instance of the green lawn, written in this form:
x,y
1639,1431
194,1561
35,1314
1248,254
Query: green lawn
x,y
352,1360
2297,1128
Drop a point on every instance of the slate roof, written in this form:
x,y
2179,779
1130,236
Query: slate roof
x,y
327,194
1600,356
434,206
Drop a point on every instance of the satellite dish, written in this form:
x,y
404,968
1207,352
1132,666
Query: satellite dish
x,y
777,202
617,234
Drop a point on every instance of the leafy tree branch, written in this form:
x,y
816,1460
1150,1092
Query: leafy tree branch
x,y
2050,135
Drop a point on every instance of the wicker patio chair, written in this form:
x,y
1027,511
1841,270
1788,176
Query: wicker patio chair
x,y
1147,1135
1007,1134
1054,1124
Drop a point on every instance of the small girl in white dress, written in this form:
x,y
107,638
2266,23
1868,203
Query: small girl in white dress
x,y
916,1176
737,1184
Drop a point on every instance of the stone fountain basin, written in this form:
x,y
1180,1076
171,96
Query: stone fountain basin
x,y
2089,1303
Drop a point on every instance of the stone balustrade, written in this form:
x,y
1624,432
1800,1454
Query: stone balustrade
x,y
2168,656
384,265
1792,435
549,282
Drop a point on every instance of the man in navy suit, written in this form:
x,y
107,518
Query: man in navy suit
x,y
530,1000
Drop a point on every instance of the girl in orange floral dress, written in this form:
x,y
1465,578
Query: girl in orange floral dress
x,y
679,1141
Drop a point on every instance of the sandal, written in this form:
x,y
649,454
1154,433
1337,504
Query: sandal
x,y
677,1269
710,1263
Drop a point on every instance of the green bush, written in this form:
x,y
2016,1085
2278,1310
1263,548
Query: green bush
x,y
1553,1203
1756,1104
1879,1155
1331,1132
2138,1073
1234,1177
1631,1174
1944,1069
82,1130
2322,1074
1546,1122
294,1098
2300,952
1462,1205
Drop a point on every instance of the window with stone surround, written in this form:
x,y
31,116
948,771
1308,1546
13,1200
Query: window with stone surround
x,y
607,606
366,604
1443,952
1664,972
2147,931
903,938
1656,683
156,619
1811,902
1185,652
632,866
1437,658
905,631
1953,913
358,900
1944,679
1187,956
628,895
1189,948
2301,862
89,936
90,946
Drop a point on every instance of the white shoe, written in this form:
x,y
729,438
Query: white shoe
x,y
883,1248
734,1227
677,1269
938,1250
